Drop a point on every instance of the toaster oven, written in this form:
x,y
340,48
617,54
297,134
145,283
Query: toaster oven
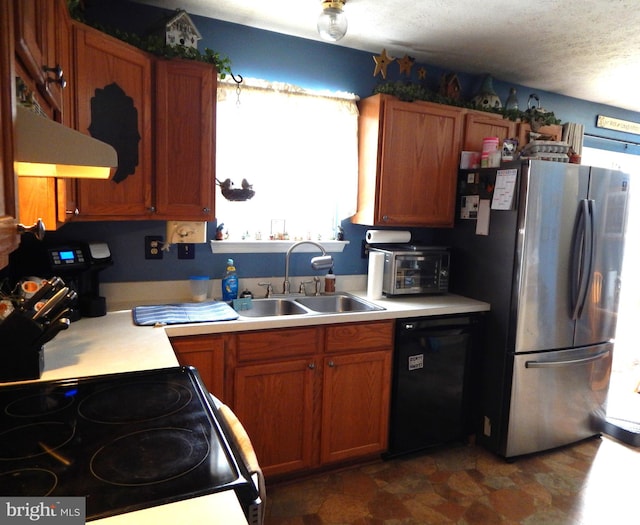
x,y
414,269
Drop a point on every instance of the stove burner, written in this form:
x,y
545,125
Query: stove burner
x,y
120,404
35,482
39,405
35,439
150,456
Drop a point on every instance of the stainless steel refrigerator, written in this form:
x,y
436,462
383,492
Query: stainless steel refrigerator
x,y
549,263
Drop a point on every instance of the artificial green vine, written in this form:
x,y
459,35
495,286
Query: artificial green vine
x,y
409,92
155,44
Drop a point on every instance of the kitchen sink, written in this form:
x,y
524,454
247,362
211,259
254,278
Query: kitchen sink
x,y
272,307
338,303
309,305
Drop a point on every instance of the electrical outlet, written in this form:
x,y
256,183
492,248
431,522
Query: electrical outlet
x,y
186,232
153,247
186,250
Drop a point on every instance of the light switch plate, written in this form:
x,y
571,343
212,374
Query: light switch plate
x,y
186,251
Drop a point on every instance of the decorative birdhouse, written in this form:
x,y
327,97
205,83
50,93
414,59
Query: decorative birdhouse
x,y
181,31
450,86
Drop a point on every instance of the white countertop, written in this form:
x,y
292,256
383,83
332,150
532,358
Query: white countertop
x,y
394,308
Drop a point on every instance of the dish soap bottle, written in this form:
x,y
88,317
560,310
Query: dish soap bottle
x,y
330,282
230,282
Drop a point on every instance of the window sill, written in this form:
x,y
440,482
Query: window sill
x,y
273,246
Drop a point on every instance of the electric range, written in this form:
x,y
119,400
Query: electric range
x,y
123,441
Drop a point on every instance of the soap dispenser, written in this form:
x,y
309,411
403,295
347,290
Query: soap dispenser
x,y
330,282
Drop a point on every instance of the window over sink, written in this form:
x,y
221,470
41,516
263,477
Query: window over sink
x,y
296,149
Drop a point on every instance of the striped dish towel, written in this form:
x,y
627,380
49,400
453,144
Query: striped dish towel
x,y
180,313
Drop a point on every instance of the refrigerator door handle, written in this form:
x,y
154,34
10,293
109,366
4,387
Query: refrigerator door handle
x,y
582,253
568,362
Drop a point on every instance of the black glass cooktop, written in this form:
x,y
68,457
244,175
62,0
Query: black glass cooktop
x,y
124,441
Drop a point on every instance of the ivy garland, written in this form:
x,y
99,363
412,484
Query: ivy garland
x,y
155,44
410,92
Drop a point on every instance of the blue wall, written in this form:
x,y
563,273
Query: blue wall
x,y
310,64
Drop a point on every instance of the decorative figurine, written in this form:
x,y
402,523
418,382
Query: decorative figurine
x,y
487,97
382,62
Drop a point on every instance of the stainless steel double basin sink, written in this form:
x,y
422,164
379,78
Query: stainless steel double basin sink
x,y
308,305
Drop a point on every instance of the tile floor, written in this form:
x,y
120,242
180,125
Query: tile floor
x,y
591,483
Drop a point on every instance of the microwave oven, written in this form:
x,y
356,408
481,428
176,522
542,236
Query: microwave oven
x,y
413,269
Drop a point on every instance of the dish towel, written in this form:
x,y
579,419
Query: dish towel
x,y
242,441
183,313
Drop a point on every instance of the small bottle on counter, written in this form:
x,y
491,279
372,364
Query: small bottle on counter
x,y
230,282
330,282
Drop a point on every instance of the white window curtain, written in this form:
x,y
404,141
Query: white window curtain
x,y
299,151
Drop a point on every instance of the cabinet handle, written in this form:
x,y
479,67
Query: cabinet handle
x,y
37,228
75,212
312,366
331,364
58,75
206,210
151,209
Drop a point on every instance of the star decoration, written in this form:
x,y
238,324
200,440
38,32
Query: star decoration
x,y
382,61
422,73
406,64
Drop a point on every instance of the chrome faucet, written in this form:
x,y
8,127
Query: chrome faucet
x,y
317,263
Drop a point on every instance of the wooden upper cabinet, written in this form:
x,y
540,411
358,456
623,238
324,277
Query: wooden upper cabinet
x,y
35,26
553,130
9,238
479,125
408,161
184,130
114,104
44,61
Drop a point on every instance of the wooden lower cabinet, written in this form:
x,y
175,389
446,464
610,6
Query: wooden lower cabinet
x,y
355,405
308,397
206,354
275,403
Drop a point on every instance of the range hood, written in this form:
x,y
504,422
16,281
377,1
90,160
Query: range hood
x,y
45,148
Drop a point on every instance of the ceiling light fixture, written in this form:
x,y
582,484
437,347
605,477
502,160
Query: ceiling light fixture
x,y
332,22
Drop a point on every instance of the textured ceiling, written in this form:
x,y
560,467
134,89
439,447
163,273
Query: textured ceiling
x,y
588,49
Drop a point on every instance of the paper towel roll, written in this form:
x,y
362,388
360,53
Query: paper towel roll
x,y
374,276
386,236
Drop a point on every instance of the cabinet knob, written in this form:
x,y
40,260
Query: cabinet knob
x,y
385,218
206,210
151,209
38,229
331,364
75,212
58,75
312,366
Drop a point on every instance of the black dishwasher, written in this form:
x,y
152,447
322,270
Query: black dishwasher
x,y
431,400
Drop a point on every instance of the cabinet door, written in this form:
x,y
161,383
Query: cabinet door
x,y
206,354
355,405
185,139
275,403
113,93
35,26
479,125
419,160
9,238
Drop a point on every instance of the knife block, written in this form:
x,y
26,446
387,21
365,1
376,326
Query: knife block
x,y
20,357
